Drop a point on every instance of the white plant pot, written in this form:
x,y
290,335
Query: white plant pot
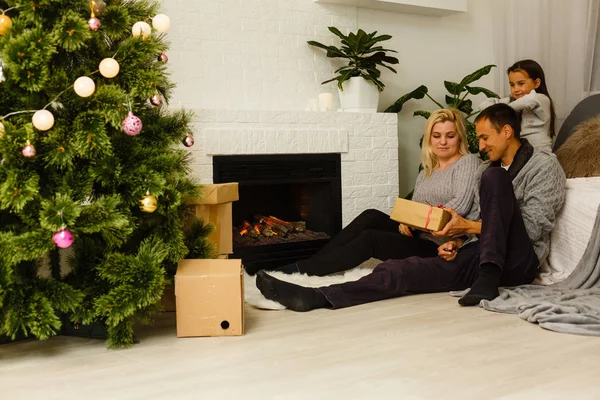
x,y
359,95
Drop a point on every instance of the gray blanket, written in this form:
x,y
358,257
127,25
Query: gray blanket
x,y
570,306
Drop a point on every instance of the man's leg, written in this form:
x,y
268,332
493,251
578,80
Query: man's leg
x,y
389,279
506,253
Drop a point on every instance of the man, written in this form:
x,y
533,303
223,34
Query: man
x,y
520,193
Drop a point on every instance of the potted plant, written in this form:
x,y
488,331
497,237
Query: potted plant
x,y
359,81
457,98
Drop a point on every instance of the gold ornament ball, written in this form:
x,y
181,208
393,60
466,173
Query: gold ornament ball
x,y
84,86
43,120
5,24
141,29
109,68
97,7
148,203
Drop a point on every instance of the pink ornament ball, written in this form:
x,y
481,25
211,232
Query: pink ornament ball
x,y
28,151
163,58
63,238
132,125
94,23
188,141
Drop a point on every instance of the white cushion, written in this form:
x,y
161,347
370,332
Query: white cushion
x,y
572,231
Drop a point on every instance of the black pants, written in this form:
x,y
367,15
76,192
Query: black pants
x,y
371,234
503,241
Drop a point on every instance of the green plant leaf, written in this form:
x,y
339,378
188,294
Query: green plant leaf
x,y
332,51
337,32
476,75
475,90
418,93
422,113
453,88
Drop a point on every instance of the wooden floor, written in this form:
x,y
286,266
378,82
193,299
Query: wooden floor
x,y
417,347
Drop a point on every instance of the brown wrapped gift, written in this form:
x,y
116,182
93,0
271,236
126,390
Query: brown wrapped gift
x,y
215,208
419,215
210,298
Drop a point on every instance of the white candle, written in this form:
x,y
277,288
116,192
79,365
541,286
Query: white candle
x,y
326,101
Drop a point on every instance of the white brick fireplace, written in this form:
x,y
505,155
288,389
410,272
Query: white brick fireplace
x,y
368,144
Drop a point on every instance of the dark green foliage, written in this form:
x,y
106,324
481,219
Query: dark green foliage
x,y
88,175
457,99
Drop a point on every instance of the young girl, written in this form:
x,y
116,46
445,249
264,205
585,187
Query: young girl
x,y
530,97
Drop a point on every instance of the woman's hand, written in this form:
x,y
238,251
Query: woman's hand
x,y
449,250
405,230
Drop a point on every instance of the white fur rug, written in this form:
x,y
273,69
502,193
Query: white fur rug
x,y
254,297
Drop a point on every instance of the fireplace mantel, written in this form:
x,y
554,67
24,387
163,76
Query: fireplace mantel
x,y
367,143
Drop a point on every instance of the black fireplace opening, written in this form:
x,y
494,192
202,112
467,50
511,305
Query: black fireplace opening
x,y
289,205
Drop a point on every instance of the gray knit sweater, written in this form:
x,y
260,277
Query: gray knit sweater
x,y
535,117
453,187
539,187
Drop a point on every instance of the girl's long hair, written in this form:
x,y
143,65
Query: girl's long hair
x,y
535,71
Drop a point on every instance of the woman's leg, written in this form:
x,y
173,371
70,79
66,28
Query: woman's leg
x,y
370,243
368,219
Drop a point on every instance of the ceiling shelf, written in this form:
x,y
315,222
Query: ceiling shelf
x,y
437,8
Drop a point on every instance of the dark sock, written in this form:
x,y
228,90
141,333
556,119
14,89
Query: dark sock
x,y
485,286
294,297
286,269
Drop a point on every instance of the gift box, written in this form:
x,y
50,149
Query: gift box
x,y
419,215
209,296
215,207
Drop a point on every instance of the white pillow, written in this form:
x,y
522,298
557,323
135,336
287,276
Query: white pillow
x,y
572,231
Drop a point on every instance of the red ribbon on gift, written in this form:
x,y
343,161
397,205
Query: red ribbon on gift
x,y
429,213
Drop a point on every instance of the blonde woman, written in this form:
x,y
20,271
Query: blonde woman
x,y
449,178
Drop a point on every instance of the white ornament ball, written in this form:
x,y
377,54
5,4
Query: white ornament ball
x,y
84,86
141,29
109,68
43,120
161,22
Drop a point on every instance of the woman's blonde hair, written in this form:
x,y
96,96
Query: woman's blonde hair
x,y
430,160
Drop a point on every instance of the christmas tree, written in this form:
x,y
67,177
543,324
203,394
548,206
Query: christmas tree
x,y
93,178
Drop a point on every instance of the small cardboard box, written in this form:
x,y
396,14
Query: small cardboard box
x,y
215,208
210,298
419,215
168,297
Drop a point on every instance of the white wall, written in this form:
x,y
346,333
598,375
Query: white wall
x,y
430,50
252,54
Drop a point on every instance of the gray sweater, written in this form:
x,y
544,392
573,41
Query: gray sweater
x,y
535,117
453,187
539,187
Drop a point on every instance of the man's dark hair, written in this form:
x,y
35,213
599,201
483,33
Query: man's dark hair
x,y
499,115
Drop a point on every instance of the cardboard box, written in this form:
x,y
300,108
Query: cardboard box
x,y
419,215
210,298
215,208
168,297
218,193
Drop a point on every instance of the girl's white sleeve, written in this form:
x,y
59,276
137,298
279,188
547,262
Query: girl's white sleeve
x,y
491,101
538,103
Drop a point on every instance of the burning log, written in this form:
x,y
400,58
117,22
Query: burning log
x,y
299,226
278,228
247,229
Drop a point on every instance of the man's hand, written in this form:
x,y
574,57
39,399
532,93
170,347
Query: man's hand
x,y
458,226
405,230
449,250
